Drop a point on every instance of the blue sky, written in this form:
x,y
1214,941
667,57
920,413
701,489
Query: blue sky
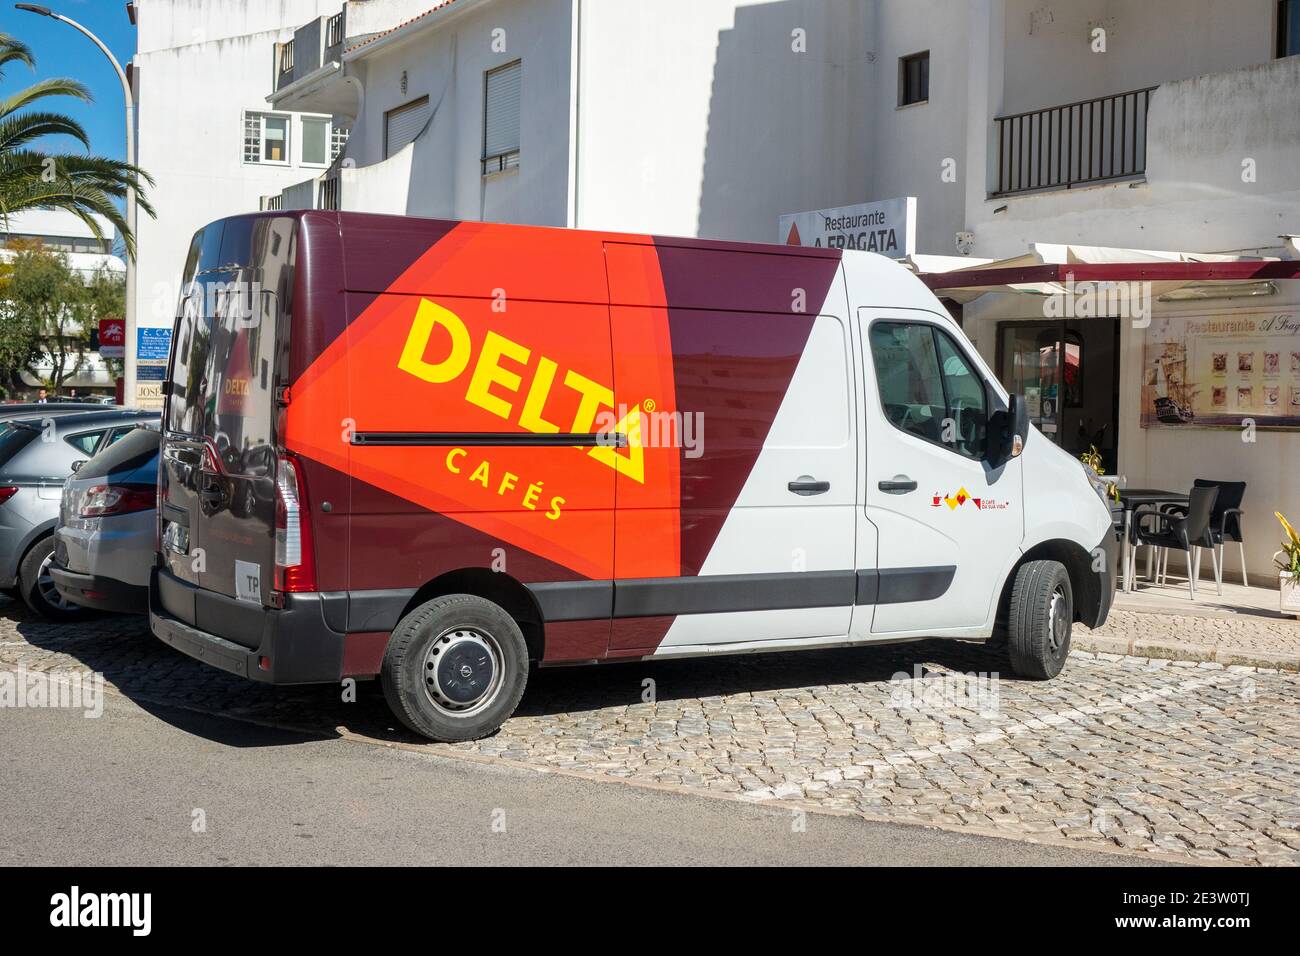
x,y
60,50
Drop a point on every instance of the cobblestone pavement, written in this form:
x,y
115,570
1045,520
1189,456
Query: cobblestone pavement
x,y
1198,762
1242,639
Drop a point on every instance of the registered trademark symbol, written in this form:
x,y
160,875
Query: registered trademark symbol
x,y
648,404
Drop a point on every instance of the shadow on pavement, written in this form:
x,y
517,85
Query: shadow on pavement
x,y
172,686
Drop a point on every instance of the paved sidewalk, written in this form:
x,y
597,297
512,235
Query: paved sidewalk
x,y
1171,759
1196,634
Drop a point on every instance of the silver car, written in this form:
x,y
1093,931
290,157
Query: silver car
x,y
36,454
104,544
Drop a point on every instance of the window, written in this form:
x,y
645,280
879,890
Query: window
x,y
266,138
501,102
315,141
86,441
914,79
338,139
928,388
1288,28
403,124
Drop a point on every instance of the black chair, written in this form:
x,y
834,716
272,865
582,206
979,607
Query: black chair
x,y
1162,530
1225,522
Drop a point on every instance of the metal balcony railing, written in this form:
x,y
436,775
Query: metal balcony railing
x,y
1059,147
334,31
286,58
329,193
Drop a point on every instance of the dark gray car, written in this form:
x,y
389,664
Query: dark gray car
x,y
36,454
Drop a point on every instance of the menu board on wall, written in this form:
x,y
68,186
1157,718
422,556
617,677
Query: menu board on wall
x,y
1221,369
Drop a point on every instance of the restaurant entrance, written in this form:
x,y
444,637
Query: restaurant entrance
x,y
1068,371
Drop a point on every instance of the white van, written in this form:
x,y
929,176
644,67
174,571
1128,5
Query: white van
x,y
438,452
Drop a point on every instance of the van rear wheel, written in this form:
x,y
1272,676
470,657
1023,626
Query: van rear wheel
x,y
455,668
1040,620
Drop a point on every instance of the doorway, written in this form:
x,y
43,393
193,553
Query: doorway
x,y
1068,371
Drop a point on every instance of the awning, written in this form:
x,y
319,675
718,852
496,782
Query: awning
x,y
1055,269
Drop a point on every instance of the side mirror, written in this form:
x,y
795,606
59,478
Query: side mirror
x,y
76,465
1008,431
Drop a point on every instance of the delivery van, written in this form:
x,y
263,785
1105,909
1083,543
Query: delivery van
x,y
439,453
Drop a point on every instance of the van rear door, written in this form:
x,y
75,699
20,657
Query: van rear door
x,y
218,488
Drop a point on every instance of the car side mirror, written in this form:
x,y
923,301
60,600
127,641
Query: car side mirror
x,y
76,465
1008,431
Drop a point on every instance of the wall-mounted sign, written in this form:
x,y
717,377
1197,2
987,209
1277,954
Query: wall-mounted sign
x,y
1222,369
152,343
112,338
887,227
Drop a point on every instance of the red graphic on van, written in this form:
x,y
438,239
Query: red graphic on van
x,y
961,497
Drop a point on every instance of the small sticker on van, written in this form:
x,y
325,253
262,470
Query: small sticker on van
x,y
248,581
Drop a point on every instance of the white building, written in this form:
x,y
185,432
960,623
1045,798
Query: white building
x,y
200,76
1029,132
60,231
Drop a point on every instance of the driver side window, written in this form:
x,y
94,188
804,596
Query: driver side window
x,y
928,388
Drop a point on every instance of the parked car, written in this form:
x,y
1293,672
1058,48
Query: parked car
x,y
104,543
50,409
36,455
663,448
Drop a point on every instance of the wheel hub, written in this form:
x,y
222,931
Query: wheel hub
x,y
461,669
1060,621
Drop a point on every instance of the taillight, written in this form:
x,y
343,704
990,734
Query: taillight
x,y
295,565
104,500
7,492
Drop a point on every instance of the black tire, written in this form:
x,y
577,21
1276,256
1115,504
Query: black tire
x,y
1040,620
37,588
443,653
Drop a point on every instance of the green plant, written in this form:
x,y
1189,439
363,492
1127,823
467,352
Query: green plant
x,y
1288,559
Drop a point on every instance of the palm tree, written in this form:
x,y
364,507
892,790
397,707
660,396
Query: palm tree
x,y
31,179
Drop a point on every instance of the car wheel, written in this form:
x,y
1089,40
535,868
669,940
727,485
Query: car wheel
x,y
455,668
36,586
1041,617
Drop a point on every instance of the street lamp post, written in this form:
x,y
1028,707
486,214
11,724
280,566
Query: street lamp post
x,y
129,362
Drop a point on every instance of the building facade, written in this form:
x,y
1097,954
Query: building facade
x,y
1021,131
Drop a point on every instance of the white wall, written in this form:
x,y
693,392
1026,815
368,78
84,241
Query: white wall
x,y
199,65
445,58
700,118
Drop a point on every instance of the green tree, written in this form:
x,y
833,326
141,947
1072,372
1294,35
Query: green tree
x,y
49,312
33,179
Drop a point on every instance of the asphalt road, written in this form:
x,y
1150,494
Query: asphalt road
x,y
125,788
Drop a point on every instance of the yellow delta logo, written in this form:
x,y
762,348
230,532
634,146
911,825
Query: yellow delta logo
x,y
594,399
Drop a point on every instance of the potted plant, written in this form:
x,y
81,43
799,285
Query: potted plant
x,y
1288,560
1092,463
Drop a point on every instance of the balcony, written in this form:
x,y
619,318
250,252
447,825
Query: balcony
x,y
1060,147
316,48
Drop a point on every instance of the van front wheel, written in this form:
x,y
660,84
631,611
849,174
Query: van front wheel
x,y
455,668
1040,619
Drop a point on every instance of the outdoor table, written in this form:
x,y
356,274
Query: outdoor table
x,y
1131,498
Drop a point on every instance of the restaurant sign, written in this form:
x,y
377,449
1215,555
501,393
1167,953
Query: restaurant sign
x,y
887,227
1223,369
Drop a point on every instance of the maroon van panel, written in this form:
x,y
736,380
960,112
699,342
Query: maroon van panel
x,y
363,653
736,342
572,641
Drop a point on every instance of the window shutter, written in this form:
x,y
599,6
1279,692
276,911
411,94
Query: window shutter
x,y
501,112
403,124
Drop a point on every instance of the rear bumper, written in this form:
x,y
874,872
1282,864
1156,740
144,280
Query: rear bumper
x,y
98,592
289,645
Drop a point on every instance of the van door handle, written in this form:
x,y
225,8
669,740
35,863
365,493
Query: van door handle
x,y
899,484
806,485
